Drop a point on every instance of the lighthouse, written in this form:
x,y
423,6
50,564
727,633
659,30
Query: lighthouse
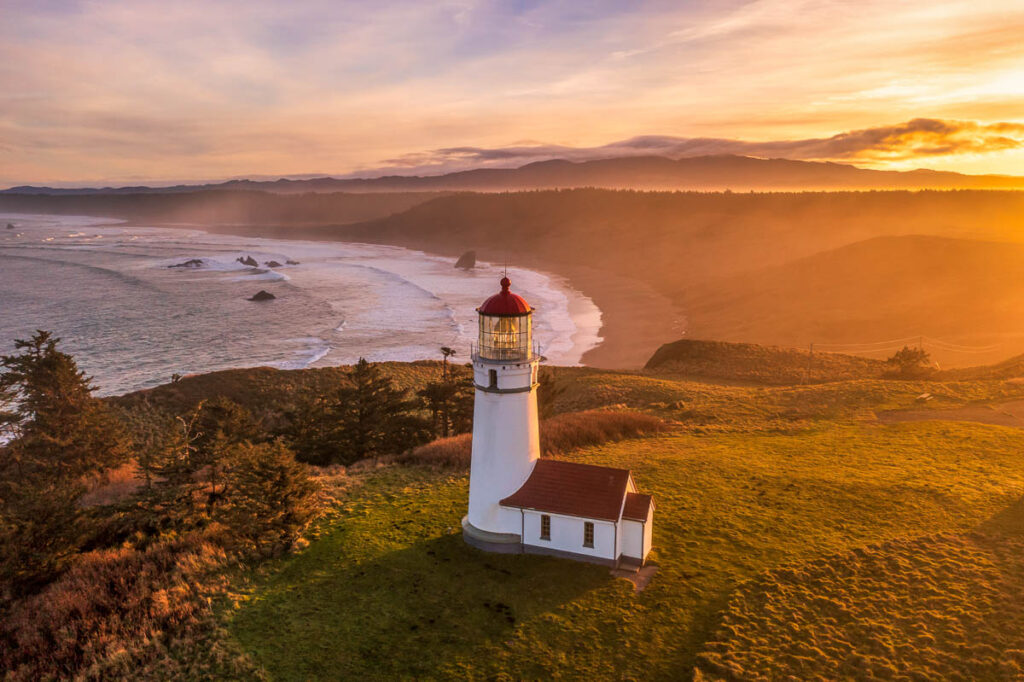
x,y
506,435
519,502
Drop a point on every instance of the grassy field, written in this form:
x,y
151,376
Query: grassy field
x,y
750,482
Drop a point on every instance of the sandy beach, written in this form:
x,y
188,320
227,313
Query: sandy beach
x,y
635,318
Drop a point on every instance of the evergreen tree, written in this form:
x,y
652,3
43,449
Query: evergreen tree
x,y
311,431
60,435
450,403
220,424
272,497
190,460
911,363
372,417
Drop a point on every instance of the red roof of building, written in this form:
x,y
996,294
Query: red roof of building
x,y
575,489
505,302
637,506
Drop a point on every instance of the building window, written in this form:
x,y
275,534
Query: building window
x,y
545,527
493,377
588,534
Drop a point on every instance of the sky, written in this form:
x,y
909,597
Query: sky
x,y
109,92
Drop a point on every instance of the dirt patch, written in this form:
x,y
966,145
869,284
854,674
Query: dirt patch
x,y
1010,413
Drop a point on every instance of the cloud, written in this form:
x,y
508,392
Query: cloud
x,y
920,138
144,88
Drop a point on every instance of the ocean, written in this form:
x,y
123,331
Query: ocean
x,y
132,320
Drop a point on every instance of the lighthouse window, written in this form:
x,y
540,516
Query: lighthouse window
x,y
492,376
588,534
545,527
505,337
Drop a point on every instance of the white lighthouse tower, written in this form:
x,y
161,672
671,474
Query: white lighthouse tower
x,y
506,436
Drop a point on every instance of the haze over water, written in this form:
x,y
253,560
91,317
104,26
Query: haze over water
x,y
132,321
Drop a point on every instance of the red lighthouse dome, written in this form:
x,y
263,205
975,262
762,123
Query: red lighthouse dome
x,y
505,302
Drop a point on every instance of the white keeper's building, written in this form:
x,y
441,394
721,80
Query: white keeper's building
x,y
519,502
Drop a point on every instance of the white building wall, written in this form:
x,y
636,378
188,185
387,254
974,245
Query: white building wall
x,y
567,535
648,533
632,539
506,443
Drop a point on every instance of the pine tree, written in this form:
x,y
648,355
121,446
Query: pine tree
x,y
311,429
450,403
60,436
271,496
372,417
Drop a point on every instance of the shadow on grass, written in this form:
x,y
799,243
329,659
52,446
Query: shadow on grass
x,y
402,613
1009,521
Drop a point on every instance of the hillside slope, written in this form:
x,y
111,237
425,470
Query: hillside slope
x,y
759,490
958,292
221,206
716,172
673,240
754,364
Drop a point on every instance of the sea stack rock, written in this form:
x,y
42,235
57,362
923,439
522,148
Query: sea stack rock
x,y
190,263
467,261
248,260
272,264
10,226
292,262
263,296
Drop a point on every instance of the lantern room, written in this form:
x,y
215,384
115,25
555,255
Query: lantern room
x,y
506,329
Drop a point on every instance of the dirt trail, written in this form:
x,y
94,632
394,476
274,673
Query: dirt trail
x,y
1010,413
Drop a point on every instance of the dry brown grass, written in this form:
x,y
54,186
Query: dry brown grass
x,y
593,427
559,434
944,607
117,485
124,613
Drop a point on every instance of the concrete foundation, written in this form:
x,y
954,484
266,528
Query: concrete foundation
x,y
501,543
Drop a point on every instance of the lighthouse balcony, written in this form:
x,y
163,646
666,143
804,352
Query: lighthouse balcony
x,y
504,355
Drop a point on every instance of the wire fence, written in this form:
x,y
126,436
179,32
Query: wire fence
x,y
893,345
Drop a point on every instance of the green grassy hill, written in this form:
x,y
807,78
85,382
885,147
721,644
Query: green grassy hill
x,y
763,493
964,293
750,363
267,391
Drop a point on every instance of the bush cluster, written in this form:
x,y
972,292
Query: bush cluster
x,y
97,585
558,434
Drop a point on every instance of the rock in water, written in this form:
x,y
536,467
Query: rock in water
x,y
292,262
467,261
272,264
248,260
190,263
10,226
263,296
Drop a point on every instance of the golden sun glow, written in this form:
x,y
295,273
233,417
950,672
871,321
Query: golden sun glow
x,y
144,91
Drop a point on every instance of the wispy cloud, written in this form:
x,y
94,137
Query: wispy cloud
x,y
146,88
917,140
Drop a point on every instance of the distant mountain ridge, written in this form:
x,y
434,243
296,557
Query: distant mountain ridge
x,y
705,173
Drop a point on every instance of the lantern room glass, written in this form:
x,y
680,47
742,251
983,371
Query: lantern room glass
x,y
505,337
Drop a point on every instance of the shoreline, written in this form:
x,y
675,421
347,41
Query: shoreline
x,y
635,319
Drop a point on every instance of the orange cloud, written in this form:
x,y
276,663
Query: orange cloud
x,y
919,138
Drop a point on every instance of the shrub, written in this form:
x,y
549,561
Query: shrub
x,y
115,486
593,427
558,434
272,497
453,452
910,363
111,615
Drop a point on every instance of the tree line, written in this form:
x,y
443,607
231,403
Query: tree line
x,y
214,467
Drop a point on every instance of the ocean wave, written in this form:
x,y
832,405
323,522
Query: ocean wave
x,y
390,303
